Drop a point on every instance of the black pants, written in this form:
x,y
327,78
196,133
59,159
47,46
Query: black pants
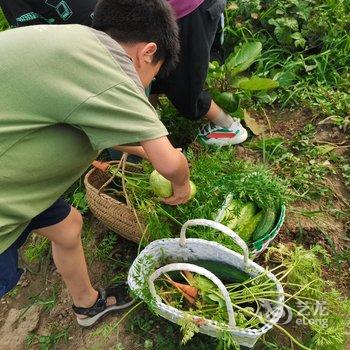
x,y
184,86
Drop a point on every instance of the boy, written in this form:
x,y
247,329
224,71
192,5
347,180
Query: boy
x,y
65,101
198,21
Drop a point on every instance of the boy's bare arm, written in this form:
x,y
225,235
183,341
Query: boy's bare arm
x,y
172,164
135,150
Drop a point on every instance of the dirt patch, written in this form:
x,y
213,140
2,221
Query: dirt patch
x,y
288,122
17,326
319,225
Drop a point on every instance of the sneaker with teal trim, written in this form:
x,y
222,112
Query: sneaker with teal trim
x,y
211,134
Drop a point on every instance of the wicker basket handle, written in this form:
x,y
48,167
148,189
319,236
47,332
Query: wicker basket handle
x,y
201,271
104,166
220,227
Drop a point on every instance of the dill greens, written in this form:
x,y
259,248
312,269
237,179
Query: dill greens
x,y
215,173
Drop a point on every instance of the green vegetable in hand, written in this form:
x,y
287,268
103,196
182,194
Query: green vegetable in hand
x,y
163,188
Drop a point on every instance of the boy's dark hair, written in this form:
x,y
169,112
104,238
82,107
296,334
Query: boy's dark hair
x,y
132,21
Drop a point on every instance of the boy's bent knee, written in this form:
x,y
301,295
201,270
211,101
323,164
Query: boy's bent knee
x,y
70,237
76,220
66,233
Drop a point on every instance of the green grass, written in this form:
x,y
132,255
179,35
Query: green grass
x,y
3,22
47,342
37,249
305,163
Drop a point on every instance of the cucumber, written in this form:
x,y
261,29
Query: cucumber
x,y
246,215
246,232
226,273
266,224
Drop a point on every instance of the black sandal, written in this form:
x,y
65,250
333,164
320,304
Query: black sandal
x,y
100,308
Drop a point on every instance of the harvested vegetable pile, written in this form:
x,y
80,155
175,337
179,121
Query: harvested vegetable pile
x,y
199,296
258,192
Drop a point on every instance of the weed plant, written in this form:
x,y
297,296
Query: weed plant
x,y
305,164
306,47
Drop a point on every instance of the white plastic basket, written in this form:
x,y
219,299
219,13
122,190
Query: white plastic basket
x,y
180,250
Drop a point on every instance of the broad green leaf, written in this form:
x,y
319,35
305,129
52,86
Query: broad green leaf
x,y
203,283
257,83
266,97
216,298
299,40
285,78
243,58
227,101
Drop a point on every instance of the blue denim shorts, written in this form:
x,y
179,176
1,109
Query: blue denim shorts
x,y
9,270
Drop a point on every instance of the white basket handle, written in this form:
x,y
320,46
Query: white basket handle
x,y
220,227
201,271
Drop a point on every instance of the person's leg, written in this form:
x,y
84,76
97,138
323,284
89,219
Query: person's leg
x,y
217,51
184,86
62,224
68,255
10,272
65,236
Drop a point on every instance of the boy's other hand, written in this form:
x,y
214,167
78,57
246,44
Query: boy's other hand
x,y
181,194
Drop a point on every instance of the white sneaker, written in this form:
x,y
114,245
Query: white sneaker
x,y
211,134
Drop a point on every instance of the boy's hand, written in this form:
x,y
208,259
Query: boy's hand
x,y
181,194
173,165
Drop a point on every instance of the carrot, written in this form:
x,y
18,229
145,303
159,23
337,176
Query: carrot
x,y
100,165
189,290
190,293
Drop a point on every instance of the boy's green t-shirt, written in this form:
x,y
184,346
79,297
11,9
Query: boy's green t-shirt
x,y
66,92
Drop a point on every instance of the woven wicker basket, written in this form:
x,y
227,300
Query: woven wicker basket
x,y
117,214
